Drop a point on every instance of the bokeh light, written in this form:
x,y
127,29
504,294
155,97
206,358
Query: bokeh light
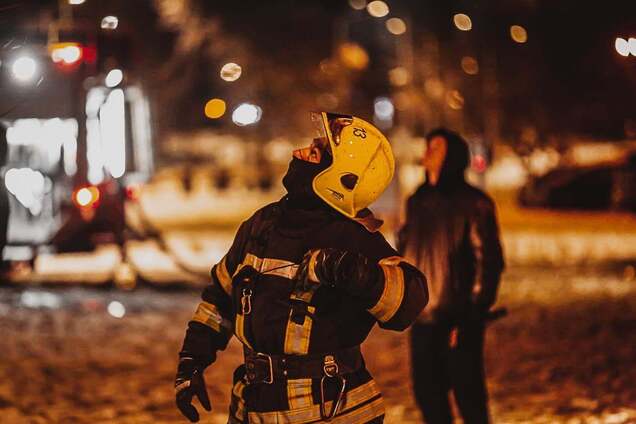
x,y
83,196
231,72
632,46
383,108
463,22
116,309
24,68
455,100
215,108
518,34
434,87
378,9
246,114
67,53
76,2
470,65
358,4
622,46
396,26
353,56
110,22
399,76
114,78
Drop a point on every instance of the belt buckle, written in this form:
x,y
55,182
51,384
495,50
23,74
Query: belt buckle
x,y
252,362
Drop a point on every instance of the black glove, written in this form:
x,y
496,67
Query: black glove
x,y
336,268
190,383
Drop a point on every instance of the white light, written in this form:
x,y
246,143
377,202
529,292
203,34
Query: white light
x,y
231,72
114,78
24,68
622,46
76,2
246,114
632,46
110,22
84,196
68,54
383,108
28,187
112,124
33,299
378,9
116,309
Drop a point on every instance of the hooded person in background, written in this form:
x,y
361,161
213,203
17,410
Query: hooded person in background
x,y
451,235
304,282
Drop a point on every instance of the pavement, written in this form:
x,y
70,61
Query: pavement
x,y
87,355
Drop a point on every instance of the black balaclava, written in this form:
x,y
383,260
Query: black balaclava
x,y
298,182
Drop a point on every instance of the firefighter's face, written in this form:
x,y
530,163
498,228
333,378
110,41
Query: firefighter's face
x,y
434,157
312,153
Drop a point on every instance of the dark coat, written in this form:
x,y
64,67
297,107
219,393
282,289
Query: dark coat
x,y
451,235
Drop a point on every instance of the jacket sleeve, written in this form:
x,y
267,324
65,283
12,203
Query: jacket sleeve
x,y
398,294
210,329
487,252
395,292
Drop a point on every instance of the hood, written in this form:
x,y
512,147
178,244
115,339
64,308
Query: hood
x,y
455,164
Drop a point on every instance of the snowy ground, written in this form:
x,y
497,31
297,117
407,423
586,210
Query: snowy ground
x,y
565,353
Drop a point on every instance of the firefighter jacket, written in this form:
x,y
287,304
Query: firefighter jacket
x,y
451,235
276,319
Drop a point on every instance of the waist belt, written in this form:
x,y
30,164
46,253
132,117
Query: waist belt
x,y
264,368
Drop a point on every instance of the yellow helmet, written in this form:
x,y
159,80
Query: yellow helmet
x,y
362,166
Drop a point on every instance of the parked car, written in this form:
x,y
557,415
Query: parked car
x,y
600,187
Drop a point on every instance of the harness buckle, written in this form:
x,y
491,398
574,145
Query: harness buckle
x,y
246,301
330,366
330,369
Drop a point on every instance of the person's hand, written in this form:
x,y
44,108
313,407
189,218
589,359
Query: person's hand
x,y
189,383
334,268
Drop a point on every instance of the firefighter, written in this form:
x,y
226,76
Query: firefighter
x,y
451,234
303,283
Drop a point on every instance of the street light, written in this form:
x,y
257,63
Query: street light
x,y
396,26
246,114
24,69
214,108
230,72
378,9
463,22
110,22
518,34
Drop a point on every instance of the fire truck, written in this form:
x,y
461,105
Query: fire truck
x,y
79,143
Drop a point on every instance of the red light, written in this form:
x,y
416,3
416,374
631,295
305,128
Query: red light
x,y
90,54
479,163
86,197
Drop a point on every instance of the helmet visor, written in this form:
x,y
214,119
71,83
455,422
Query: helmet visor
x,y
328,126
